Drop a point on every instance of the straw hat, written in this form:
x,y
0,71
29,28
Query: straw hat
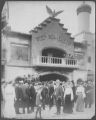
x,y
39,88
57,81
21,81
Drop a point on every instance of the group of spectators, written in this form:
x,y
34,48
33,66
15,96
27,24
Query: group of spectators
x,y
23,95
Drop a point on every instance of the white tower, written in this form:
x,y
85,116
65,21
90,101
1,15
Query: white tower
x,y
83,13
86,38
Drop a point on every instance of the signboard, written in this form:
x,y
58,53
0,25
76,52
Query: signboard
x,y
44,37
60,38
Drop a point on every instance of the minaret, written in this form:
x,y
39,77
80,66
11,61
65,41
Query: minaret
x,y
86,38
83,14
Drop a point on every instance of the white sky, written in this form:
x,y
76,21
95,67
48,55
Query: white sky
x,y
25,15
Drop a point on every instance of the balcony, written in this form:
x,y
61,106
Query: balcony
x,y
55,62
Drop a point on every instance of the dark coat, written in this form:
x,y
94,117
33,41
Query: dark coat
x,y
59,92
24,91
51,90
18,92
51,96
32,94
44,94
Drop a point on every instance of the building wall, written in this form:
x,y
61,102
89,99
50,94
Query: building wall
x,y
79,74
51,35
11,72
13,66
17,42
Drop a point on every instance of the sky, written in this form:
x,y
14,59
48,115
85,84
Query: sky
x,y
25,15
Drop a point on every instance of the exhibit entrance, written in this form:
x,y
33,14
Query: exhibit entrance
x,y
53,77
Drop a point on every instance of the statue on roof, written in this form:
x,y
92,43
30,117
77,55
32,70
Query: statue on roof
x,y
53,13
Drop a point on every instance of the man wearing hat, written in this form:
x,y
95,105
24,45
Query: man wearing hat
x,y
24,88
38,101
51,94
44,95
59,95
89,90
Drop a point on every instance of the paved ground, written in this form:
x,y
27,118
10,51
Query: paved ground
x,y
51,114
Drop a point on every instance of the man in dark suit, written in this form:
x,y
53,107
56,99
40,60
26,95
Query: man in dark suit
x,y
19,97
32,96
51,95
44,94
24,88
59,96
89,90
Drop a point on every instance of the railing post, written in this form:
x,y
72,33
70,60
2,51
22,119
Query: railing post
x,y
55,60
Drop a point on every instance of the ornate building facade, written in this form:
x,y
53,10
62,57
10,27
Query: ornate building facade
x,y
49,51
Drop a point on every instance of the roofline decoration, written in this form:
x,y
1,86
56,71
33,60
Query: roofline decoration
x,y
53,13
48,21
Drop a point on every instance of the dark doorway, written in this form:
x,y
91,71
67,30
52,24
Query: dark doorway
x,y
53,52
53,77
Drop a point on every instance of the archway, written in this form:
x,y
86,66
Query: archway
x,y
53,77
53,52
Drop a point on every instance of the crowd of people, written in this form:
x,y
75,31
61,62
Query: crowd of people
x,y
23,96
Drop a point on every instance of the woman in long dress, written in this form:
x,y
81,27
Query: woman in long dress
x,y
68,98
80,92
9,110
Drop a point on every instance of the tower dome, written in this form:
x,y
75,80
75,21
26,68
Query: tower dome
x,y
83,14
84,8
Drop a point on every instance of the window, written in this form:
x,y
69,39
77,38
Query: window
x,y
89,59
2,71
19,52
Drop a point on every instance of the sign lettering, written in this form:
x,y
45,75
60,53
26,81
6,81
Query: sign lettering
x,y
40,38
53,37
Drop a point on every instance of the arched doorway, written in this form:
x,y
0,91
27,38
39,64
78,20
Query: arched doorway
x,y
53,77
53,52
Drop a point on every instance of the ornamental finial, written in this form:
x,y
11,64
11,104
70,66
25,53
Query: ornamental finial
x,y
52,13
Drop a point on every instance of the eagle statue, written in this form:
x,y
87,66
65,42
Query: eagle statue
x,y
52,13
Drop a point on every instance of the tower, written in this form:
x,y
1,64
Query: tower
x,y
83,14
86,38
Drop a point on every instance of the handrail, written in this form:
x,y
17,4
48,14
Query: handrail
x,y
56,60
58,57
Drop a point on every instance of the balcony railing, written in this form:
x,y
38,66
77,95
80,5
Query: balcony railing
x,y
55,61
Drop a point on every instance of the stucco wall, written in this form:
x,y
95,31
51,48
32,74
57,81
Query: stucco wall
x,y
12,72
79,74
16,41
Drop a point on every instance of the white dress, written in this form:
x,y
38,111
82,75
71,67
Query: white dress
x,y
80,100
9,110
